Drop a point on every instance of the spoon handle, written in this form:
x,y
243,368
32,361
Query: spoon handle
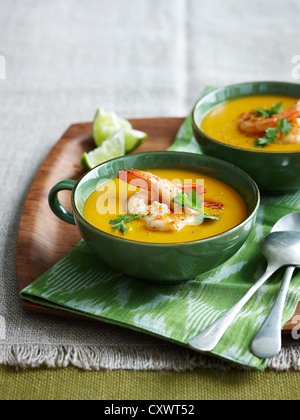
x,y
209,338
267,343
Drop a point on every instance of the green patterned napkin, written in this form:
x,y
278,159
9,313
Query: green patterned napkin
x,y
82,284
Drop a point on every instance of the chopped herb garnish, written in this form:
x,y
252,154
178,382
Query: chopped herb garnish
x,y
193,201
119,223
284,126
190,201
277,109
208,216
202,216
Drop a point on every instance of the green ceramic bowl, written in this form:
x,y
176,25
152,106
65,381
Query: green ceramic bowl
x,y
274,172
160,262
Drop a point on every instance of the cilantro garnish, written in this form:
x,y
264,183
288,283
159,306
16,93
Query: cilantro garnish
x,y
277,109
284,126
193,201
119,223
190,201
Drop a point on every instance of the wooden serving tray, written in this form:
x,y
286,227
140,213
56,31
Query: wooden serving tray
x,y
43,239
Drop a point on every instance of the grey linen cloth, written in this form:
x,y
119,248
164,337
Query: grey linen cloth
x,y
140,58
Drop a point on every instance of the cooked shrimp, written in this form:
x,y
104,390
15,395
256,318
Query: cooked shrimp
x,y
252,123
154,200
158,215
294,135
169,222
162,190
138,203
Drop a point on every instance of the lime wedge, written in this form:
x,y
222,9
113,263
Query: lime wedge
x,y
106,124
111,148
133,139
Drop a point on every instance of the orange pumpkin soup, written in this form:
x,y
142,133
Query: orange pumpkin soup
x,y
111,200
242,122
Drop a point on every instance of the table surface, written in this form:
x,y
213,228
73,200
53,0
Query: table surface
x,y
199,384
141,58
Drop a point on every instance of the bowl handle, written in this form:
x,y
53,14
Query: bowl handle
x,y
55,204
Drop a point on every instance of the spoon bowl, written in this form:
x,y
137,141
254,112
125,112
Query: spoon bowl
x,y
282,248
268,340
290,222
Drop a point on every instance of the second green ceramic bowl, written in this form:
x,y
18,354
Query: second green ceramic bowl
x,y
160,262
274,172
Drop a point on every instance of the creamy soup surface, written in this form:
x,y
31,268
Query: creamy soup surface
x,y
110,200
221,123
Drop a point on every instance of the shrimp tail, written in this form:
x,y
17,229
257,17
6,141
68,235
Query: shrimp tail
x,y
213,205
136,177
197,188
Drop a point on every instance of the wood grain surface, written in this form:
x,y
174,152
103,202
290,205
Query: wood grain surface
x,y
43,239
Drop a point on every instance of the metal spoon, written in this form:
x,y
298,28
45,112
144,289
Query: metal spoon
x,y
280,249
268,341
